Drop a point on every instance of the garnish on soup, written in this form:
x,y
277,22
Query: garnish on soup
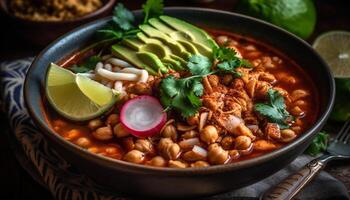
x,y
187,97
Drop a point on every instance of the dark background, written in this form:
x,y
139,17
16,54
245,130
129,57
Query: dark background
x,y
15,183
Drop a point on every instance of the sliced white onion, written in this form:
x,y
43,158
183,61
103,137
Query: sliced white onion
x,y
99,65
203,120
116,76
108,67
254,128
200,151
231,123
118,62
188,143
141,72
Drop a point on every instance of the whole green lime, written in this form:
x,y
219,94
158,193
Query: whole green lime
x,y
296,16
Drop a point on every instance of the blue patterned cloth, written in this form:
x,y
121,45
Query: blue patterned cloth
x,y
65,182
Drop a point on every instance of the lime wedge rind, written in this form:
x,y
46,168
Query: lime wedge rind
x,y
64,93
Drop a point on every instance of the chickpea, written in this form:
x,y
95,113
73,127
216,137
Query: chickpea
x,y
95,123
264,145
300,103
111,150
200,164
143,145
242,142
177,164
119,131
169,131
222,40
112,119
134,156
190,134
209,134
103,133
296,129
227,142
287,135
168,148
157,161
234,154
298,94
217,155
192,156
128,143
242,129
83,142
72,134
193,120
296,111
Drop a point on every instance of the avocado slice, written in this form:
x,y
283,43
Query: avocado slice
x,y
177,48
145,60
189,32
156,47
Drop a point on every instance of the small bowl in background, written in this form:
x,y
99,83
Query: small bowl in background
x,y
43,32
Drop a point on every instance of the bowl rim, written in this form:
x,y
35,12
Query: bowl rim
x,y
105,7
131,167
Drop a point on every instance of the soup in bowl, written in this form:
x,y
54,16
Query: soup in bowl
x,y
215,103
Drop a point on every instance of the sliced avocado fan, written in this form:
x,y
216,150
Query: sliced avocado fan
x,y
164,43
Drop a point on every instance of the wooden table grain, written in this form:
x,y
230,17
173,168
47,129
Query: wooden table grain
x,y
17,184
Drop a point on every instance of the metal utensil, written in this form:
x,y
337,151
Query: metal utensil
x,y
339,148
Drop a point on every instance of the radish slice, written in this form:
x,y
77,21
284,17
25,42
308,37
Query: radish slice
x,y
143,116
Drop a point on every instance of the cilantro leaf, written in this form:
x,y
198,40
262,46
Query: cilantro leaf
x,y
123,17
87,65
224,53
318,144
152,8
197,88
178,94
275,110
199,65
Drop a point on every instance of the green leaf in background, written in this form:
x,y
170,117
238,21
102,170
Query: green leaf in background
x,y
341,109
296,16
87,65
318,144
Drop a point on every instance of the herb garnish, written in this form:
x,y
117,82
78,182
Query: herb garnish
x,y
318,144
275,109
183,94
152,8
122,24
87,65
228,60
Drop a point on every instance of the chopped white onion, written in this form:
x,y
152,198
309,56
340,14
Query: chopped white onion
x,y
254,128
200,151
118,62
203,120
116,76
188,143
108,67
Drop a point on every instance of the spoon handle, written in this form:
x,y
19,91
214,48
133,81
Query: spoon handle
x,y
289,187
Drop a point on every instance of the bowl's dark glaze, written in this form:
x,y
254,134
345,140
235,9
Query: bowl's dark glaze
x,y
175,183
44,32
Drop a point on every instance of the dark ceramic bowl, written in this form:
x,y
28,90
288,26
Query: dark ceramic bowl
x,y
178,183
44,32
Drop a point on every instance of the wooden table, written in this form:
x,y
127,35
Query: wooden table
x,y
15,183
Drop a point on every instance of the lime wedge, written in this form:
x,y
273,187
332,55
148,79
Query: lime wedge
x,y
334,47
77,97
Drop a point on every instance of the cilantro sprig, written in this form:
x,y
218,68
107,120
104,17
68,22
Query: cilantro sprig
x,y
183,94
87,65
275,109
319,144
228,61
123,22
